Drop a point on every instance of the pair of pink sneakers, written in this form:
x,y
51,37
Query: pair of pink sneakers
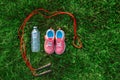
x,y
54,42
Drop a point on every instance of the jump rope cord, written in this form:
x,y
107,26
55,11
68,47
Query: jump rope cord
x,y
21,32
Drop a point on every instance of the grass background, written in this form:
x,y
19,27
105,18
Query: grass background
x,y
98,26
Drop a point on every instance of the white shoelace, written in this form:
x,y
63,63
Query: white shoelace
x,y
59,44
49,43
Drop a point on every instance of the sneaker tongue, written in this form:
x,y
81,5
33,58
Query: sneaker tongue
x,y
59,42
50,39
58,39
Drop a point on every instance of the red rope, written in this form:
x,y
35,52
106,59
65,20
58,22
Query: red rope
x,y
21,31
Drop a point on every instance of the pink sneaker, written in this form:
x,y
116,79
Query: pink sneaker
x,y
49,41
60,43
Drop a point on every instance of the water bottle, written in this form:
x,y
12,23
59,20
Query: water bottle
x,y
35,40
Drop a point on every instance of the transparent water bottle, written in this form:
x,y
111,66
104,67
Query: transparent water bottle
x,y
35,40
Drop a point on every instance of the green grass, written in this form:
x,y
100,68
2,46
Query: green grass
x,y
98,26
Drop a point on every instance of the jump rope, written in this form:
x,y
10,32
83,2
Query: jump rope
x,y
23,49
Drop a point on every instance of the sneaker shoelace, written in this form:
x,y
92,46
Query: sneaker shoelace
x,y
49,43
59,44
